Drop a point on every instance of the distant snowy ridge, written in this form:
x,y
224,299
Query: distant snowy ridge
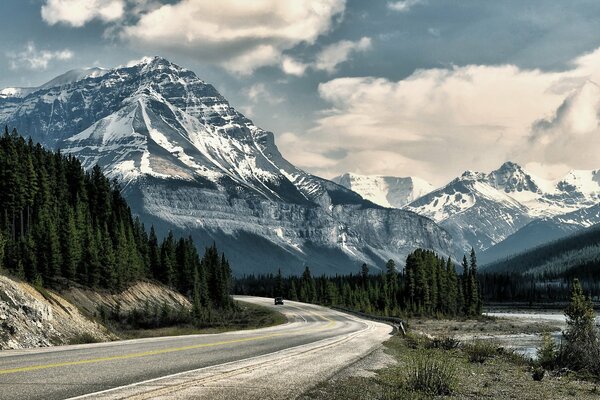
x,y
483,209
387,191
67,78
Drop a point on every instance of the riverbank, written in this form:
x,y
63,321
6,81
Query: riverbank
x,y
470,360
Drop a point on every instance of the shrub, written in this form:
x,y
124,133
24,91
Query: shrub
x,y
445,343
480,350
431,375
84,338
538,373
416,341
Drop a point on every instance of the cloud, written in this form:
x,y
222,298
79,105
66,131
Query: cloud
x,y
239,35
333,55
439,122
77,13
32,58
402,5
293,67
259,93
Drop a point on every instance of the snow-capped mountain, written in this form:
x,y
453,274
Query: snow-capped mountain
x,y
387,191
187,159
484,209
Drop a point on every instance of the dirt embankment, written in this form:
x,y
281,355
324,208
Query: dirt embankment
x,y
32,318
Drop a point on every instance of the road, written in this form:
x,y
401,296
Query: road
x,y
279,362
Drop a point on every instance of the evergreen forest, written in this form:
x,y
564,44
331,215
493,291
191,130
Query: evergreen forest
x,y
61,224
428,285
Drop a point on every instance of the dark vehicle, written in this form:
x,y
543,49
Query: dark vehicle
x,y
278,300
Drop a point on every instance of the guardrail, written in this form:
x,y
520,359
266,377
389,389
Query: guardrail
x,y
397,323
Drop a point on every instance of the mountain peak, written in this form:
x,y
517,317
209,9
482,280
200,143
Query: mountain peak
x,y
511,177
153,63
510,166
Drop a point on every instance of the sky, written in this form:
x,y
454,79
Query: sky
x,y
403,88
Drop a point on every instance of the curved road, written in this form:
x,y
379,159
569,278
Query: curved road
x,y
269,363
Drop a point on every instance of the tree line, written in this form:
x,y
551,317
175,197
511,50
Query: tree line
x,y
62,223
427,285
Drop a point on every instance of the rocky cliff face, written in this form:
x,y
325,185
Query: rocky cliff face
x,y
32,318
187,160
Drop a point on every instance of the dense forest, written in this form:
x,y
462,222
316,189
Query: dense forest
x,y
60,223
545,273
428,285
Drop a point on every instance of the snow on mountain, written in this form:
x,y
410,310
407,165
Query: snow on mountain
x,y
16,92
387,191
188,160
484,209
74,75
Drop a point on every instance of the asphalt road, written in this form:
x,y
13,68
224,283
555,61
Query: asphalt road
x,y
197,366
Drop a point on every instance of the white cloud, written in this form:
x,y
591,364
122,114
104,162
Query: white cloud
x,y
293,67
437,123
259,93
333,55
32,58
403,5
78,12
239,35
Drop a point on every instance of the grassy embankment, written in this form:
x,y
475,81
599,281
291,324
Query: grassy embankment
x,y
428,363
243,316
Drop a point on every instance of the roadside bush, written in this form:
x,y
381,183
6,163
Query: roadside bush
x,y
478,351
538,373
547,353
84,338
416,341
445,343
430,374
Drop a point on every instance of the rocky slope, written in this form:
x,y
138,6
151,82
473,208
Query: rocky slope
x,y
387,191
188,160
32,318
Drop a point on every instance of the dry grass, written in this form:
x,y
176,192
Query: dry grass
x,y
505,375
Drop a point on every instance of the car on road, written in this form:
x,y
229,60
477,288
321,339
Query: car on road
x,y
278,300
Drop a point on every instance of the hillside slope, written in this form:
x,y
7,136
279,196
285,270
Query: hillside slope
x,y
578,252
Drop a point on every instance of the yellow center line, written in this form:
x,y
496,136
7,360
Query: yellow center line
x,y
156,352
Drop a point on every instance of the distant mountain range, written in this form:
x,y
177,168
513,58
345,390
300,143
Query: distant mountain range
x,y
572,255
502,212
189,161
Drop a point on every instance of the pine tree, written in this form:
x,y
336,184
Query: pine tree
x,y
466,286
279,290
582,339
475,304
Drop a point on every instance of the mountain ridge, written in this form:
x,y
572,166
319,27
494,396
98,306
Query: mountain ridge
x,y
187,159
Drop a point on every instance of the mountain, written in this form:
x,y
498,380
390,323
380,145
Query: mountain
x,y
482,210
187,160
534,234
577,254
541,231
387,191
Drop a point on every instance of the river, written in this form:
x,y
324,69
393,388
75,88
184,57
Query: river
x,y
527,344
